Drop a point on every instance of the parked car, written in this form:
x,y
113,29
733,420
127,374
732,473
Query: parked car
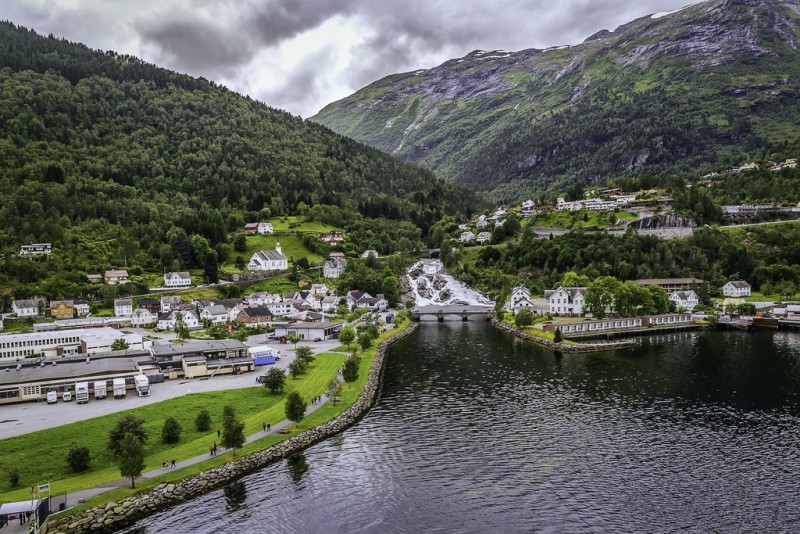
x,y
317,339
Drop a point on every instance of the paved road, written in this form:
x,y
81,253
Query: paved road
x,y
18,419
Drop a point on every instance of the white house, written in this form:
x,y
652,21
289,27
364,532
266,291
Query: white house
x,y
736,288
82,308
116,276
466,237
793,312
26,308
334,267
566,300
217,314
520,298
181,279
320,289
169,303
329,304
282,308
269,260
262,299
262,228
362,299
142,317
483,237
123,307
36,248
684,299
168,321
367,253
528,204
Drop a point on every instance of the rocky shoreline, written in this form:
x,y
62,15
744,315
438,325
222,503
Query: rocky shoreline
x,y
110,517
563,347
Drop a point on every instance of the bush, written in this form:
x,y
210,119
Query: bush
x,y
79,458
557,337
524,318
171,431
13,475
203,421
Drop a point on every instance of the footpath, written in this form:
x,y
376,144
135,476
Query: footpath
x,y
80,496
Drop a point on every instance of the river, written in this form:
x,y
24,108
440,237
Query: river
x,y
476,431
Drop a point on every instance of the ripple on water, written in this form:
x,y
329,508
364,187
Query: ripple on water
x,y
476,432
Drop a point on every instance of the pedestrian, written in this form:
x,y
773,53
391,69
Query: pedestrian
x,y
211,451
164,464
172,465
267,426
264,426
218,432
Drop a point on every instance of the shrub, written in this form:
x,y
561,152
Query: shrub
x,y
171,431
13,475
79,458
203,421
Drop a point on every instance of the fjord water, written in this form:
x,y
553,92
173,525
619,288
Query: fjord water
x,y
476,431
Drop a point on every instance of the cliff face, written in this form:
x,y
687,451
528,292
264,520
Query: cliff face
x,y
669,94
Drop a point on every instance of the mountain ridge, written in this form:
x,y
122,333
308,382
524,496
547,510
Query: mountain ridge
x,y
677,83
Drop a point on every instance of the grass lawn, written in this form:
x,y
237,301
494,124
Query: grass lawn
x,y
756,296
41,456
17,327
279,284
328,411
296,224
291,245
575,219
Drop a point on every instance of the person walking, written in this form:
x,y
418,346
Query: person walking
x,y
267,426
264,426
172,463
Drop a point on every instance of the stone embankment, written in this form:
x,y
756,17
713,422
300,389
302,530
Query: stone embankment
x,y
116,515
564,347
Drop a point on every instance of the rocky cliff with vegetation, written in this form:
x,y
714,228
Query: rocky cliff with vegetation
x,y
680,93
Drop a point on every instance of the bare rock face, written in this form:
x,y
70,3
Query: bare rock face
x,y
658,222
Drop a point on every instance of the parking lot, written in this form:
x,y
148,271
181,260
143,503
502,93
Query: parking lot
x,y
17,419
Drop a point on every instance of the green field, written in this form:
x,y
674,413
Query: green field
x,y
575,219
291,245
41,456
297,224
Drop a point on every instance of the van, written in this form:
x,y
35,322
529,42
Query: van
x,y
67,396
52,397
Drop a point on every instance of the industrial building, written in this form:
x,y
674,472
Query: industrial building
x,y
65,342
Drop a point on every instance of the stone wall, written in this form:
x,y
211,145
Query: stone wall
x,y
116,515
563,347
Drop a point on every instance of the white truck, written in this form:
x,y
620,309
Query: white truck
x,y
100,389
142,385
119,388
82,392
52,397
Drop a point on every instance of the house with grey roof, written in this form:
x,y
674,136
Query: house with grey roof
x,y
736,288
269,260
178,279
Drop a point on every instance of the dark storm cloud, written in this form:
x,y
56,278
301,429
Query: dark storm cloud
x,y
226,39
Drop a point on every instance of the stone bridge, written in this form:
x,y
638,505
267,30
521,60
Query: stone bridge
x,y
439,312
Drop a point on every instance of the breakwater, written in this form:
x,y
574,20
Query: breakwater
x,y
563,347
112,516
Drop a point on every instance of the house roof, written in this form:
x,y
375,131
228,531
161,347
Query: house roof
x,y
270,255
257,312
183,274
216,309
334,255
739,284
55,304
118,272
685,295
171,300
123,302
29,303
669,281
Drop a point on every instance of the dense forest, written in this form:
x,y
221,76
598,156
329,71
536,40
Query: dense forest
x,y
120,163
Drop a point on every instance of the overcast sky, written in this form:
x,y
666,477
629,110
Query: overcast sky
x,y
300,55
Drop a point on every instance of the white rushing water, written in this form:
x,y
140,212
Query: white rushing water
x,y
430,285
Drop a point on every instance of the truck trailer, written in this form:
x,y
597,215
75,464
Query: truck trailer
x,y
142,385
82,392
119,388
100,389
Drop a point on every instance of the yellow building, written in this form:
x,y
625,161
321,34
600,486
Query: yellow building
x,y
62,309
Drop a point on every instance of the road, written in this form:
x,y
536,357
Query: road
x,y
18,419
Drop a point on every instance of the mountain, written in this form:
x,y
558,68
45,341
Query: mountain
x,y
108,156
675,93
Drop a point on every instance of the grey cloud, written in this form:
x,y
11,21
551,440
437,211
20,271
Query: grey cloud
x,y
301,88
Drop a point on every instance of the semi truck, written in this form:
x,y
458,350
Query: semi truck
x,y
82,392
142,385
119,388
263,355
100,389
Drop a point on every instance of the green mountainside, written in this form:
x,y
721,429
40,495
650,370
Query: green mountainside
x,y
691,91
116,161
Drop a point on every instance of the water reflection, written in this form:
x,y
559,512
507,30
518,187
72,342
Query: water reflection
x,y
235,496
298,466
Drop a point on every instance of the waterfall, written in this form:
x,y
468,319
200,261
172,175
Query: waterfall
x,y
430,285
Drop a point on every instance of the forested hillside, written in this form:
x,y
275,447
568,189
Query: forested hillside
x,y
679,94
114,161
